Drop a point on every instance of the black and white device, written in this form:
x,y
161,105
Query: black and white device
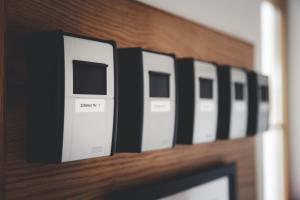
x,y
198,101
72,99
258,115
233,103
147,100
263,103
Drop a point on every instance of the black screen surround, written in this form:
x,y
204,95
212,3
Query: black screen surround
x,y
159,84
89,78
239,91
206,88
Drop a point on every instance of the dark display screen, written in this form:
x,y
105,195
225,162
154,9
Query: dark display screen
x,y
159,84
89,78
239,91
206,88
264,93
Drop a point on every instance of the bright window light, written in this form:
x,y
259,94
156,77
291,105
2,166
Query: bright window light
x,y
272,141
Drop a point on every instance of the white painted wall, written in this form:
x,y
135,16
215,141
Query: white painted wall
x,y
239,18
294,95
270,144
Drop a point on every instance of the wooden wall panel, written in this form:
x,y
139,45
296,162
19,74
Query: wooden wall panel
x,y
130,24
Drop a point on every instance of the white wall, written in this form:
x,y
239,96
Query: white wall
x,y
270,144
294,94
239,18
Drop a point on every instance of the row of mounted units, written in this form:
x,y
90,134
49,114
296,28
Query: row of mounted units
x,y
89,99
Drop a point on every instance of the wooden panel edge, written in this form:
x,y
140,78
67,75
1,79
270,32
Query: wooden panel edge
x,y
282,5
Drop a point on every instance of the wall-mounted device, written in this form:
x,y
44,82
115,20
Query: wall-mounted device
x,y
263,103
72,97
198,101
258,115
147,100
233,103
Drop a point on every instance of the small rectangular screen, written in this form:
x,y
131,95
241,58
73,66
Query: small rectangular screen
x,y
239,91
206,88
264,93
159,84
89,78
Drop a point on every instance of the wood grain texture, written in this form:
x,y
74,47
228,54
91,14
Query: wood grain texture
x,y
130,24
2,93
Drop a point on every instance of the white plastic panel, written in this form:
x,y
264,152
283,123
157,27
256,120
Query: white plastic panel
x,y
206,109
263,106
87,131
159,112
239,107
